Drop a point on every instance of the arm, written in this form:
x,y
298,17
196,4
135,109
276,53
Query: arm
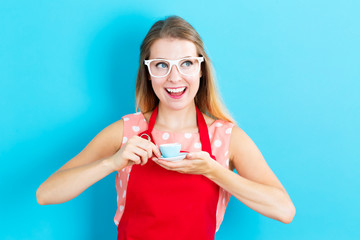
x,y
256,185
91,165
98,159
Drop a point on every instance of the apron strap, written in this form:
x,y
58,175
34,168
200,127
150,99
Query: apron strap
x,y
147,133
204,133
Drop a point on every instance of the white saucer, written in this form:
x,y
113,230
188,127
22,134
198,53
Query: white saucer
x,y
180,157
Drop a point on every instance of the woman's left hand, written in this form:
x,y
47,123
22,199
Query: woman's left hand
x,y
193,163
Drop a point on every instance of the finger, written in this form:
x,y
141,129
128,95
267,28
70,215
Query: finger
x,y
134,158
143,144
163,164
173,165
149,147
155,150
141,153
197,155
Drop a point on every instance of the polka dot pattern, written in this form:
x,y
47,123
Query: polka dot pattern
x,y
135,128
219,134
187,135
165,136
197,145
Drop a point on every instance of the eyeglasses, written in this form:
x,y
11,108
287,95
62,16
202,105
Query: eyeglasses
x,y
161,67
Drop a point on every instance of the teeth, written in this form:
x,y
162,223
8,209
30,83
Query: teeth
x,y
176,90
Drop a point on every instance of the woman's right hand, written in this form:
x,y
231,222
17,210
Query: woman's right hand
x,y
137,150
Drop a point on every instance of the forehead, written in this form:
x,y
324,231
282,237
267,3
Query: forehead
x,y
172,48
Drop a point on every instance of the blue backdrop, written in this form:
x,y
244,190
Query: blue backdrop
x,y
287,70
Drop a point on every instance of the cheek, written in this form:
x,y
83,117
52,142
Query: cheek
x,y
195,83
156,85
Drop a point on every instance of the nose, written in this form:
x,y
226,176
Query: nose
x,y
174,74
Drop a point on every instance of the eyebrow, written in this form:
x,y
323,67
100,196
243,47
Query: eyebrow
x,y
166,58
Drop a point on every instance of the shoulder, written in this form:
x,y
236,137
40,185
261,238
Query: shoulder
x,y
133,117
239,139
217,122
242,149
115,131
112,134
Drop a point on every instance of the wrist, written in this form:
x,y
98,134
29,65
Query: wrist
x,y
213,168
109,164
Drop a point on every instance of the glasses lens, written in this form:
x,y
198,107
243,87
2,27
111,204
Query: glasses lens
x,y
159,68
189,66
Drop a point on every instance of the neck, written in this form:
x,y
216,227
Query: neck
x,y
176,120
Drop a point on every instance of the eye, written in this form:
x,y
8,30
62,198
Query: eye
x,y
161,65
187,63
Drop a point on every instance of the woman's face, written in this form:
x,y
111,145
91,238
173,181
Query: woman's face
x,y
175,90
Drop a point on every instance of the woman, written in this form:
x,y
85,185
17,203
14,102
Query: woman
x,y
161,199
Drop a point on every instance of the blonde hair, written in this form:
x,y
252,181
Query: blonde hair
x,y
207,98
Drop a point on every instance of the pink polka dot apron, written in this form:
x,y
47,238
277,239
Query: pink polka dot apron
x,y
163,204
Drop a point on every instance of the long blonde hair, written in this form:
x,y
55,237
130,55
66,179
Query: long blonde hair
x,y
207,98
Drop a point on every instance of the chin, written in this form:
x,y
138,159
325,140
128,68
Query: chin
x,y
179,105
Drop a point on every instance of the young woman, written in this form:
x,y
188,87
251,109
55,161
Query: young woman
x,y
161,199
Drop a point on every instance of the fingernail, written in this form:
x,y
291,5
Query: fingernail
x,y
189,155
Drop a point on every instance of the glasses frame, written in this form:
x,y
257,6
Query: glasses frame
x,y
172,63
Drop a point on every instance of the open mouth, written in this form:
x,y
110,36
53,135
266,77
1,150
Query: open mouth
x,y
176,92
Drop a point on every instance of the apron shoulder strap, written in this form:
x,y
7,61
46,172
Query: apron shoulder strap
x,y
204,133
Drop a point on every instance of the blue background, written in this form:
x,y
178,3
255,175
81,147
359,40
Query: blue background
x,y
287,70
